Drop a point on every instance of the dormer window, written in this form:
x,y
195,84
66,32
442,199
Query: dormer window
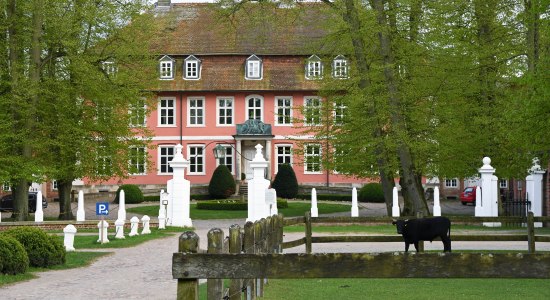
x,y
253,68
340,67
166,67
314,67
192,68
109,67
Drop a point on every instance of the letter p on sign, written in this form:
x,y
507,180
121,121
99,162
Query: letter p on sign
x,y
102,208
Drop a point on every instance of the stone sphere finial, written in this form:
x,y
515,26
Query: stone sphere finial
x,y
486,161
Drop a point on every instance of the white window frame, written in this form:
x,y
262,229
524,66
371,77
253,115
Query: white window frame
x,y
255,109
109,67
340,109
314,68
340,68
197,109
54,185
226,109
285,109
104,162
192,68
168,157
308,155
253,68
6,187
166,68
308,107
283,155
193,159
451,183
172,108
503,183
134,115
140,164
228,157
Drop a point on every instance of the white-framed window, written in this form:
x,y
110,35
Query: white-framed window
x,y
196,159
283,155
192,68
503,183
340,67
312,110
54,185
312,159
167,112
138,113
451,183
340,109
166,67
166,154
104,162
109,67
339,158
314,67
253,68
228,158
137,161
195,111
225,110
283,110
254,107
6,187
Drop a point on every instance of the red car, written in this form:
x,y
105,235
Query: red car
x,y
468,195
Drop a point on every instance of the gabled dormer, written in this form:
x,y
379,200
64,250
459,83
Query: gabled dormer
x,y
166,67
340,67
253,68
109,67
314,67
192,68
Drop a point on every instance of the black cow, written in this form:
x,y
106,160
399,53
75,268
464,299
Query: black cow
x,y
426,229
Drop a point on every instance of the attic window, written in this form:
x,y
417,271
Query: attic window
x,y
314,67
109,67
192,68
166,67
340,67
253,69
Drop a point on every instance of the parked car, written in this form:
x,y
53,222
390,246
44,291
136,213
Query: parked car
x,y
468,195
6,202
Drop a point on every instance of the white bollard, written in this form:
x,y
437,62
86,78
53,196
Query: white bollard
x,y
122,205
162,222
145,220
39,213
395,212
102,226
354,206
162,210
80,214
119,227
314,209
437,205
68,239
134,224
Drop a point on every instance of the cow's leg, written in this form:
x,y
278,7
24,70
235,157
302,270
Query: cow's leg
x,y
446,243
416,246
406,246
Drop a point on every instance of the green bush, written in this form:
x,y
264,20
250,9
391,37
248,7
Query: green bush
x,y
132,194
232,204
13,257
285,182
151,198
326,197
43,250
222,184
371,192
200,197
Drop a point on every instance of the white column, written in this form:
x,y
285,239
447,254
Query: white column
x,y
489,193
268,158
145,220
39,213
533,186
80,213
238,160
68,239
354,206
257,206
119,228
479,202
314,210
437,205
162,209
395,211
134,224
180,192
102,226
122,205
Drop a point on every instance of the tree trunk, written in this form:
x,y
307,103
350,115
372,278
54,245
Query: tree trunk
x,y
20,196
65,210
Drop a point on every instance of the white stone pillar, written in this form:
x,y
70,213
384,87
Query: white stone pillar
x,y
80,213
489,193
102,226
180,191
271,200
268,158
479,202
145,220
134,224
354,205
437,205
314,209
119,228
395,211
39,213
257,206
68,239
162,209
533,186
122,205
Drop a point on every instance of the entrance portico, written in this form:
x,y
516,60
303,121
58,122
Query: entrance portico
x,y
249,134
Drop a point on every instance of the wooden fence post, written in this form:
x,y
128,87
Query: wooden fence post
x,y
249,249
188,289
308,232
260,241
280,232
531,232
215,246
235,247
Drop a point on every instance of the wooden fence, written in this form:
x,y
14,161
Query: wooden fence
x,y
250,256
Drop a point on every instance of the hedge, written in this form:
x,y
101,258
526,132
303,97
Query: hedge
x,y
232,204
13,257
326,197
42,249
132,194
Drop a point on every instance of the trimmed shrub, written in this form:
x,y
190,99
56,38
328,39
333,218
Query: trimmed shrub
x,y
43,250
222,184
326,197
13,257
132,193
151,198
371,192
285,182
232,204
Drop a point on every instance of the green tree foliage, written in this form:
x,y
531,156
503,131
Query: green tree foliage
x,y
285,182
43,250
132,194
13,257
222,184
371,192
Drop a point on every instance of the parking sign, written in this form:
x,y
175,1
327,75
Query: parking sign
x,y
102,208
